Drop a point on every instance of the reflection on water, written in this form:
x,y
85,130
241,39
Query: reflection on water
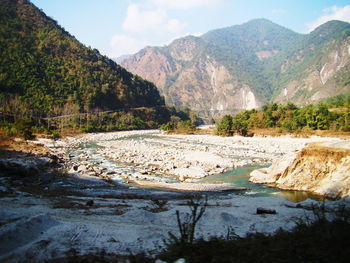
x,y
239,177
298,196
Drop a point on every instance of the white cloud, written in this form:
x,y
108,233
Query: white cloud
x,y
151,18
184,4
124,45
332,13
279,11
157,20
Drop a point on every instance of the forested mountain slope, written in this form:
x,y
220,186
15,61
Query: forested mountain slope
x,y
45,71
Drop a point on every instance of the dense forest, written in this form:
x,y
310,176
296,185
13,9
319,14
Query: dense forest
x,y
332,114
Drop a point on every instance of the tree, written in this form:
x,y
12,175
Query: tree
x,y
193,118
187,225
323,117
240,123
225,126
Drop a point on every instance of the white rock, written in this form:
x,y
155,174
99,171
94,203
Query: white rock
x,y
271,174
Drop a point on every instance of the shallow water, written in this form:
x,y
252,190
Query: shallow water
x,y
240,177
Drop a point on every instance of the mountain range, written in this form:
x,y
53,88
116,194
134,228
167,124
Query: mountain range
x,y
245,66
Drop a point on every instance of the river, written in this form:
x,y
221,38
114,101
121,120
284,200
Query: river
x,y
109,152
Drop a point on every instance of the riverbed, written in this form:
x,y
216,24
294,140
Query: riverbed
x,y
207,163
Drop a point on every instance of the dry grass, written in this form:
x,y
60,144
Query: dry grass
x,y
12,147
275,132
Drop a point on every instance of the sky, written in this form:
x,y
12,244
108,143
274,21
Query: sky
x,y
120,27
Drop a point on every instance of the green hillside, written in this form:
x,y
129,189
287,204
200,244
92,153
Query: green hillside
x,y
45,71
307,54
237,48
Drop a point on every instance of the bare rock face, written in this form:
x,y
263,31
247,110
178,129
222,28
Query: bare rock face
x,y
317,168
151,64
187,77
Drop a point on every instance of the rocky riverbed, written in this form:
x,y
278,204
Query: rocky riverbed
x,y
157,157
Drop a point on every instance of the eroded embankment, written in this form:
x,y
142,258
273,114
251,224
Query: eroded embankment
x,y
318,167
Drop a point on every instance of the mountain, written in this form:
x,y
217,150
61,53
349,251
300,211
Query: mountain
x,y
317,67
44,69
244,66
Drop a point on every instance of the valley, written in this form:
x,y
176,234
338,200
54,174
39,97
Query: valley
x,y
104,161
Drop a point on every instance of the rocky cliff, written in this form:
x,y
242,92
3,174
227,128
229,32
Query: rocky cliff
x,y
187,76
320,168
245,66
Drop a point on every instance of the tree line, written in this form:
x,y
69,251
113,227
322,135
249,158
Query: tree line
x,y
332,114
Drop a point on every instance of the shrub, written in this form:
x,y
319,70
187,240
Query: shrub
x,y
24,129
187,224
224,127
55,135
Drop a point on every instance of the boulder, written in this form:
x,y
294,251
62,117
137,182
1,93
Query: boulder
x,y
81,168
272,173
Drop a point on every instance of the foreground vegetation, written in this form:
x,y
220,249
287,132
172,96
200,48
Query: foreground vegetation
x,y
331,114
318,242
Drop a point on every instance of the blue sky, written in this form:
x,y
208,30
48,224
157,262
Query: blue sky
x,y
118,27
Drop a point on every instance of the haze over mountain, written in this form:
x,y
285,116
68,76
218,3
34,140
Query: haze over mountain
x,y
44,69
245,66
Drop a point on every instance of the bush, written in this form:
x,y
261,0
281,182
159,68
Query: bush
x,y
24,129
224,127
179,126
55,135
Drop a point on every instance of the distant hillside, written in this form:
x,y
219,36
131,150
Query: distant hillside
x,y
244,66
45,71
